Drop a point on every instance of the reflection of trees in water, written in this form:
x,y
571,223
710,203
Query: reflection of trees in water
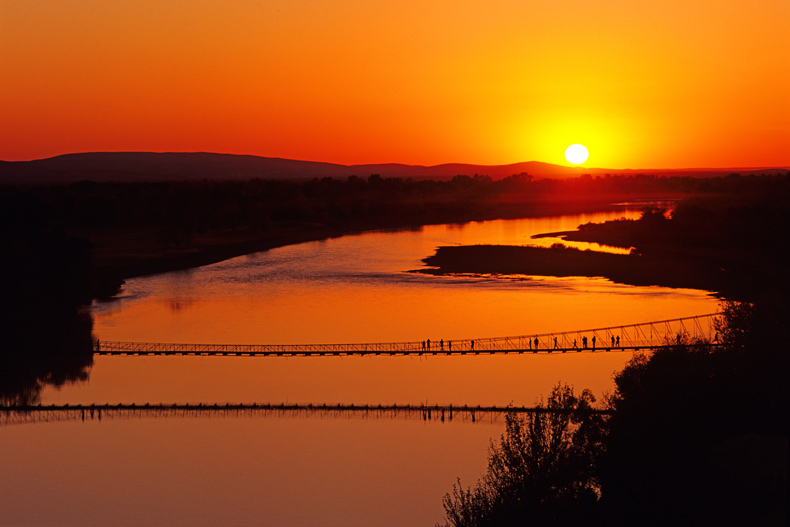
x,y
89,412
52,353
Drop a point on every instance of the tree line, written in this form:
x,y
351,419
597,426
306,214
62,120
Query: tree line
x,y
186,208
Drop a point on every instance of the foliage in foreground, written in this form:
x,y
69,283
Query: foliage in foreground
x,y
698,436
543,468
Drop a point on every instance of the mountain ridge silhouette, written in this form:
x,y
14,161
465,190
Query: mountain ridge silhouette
x,y
181,166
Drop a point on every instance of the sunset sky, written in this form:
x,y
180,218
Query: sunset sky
x,y
643,84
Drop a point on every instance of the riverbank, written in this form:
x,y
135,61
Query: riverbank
x,y
119,254
136,253
629,269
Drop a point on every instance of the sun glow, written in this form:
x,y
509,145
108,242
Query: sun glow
x,y
290,79
576,154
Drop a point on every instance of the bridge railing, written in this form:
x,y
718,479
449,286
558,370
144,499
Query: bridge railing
x,y
634,336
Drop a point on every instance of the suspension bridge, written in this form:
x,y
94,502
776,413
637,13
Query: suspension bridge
x,y
24,414
634,337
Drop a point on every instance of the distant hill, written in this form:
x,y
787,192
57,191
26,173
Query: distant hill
x,y
150,166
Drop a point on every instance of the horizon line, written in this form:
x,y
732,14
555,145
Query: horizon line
x,y
564,166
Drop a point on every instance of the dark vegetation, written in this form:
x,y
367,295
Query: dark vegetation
x,y
735,242
46,278
745,234
543,470
698,435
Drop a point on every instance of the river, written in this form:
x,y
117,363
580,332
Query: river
x,y
313,469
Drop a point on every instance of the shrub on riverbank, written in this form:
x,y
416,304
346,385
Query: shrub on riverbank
x,y
542,470
698,435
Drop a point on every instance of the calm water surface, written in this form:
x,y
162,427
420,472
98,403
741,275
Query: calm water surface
x,y
291,470
356,289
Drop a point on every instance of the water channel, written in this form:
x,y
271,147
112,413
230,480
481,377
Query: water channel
x,y
317,470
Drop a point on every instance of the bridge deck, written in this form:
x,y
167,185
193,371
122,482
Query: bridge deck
x,y
144,351
636,337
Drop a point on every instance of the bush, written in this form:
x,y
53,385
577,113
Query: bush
x,y
542,471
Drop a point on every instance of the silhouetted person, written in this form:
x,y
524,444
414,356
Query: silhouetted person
x,y
618,341
574,343
530,343
555,343
593,342
613,341
429,345
450,345
472,346
441,345
98,346
536,342
678,339
584,342
423,345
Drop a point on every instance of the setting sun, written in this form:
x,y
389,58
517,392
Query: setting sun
x,y
576,154
291,80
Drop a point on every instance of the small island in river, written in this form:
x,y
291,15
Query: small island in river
x,y
631,269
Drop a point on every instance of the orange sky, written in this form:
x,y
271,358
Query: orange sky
x,y
643,84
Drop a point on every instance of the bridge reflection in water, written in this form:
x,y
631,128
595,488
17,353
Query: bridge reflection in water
x,y
634,337
10,415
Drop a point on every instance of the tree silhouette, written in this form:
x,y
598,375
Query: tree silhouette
x,y
686,419
543,469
